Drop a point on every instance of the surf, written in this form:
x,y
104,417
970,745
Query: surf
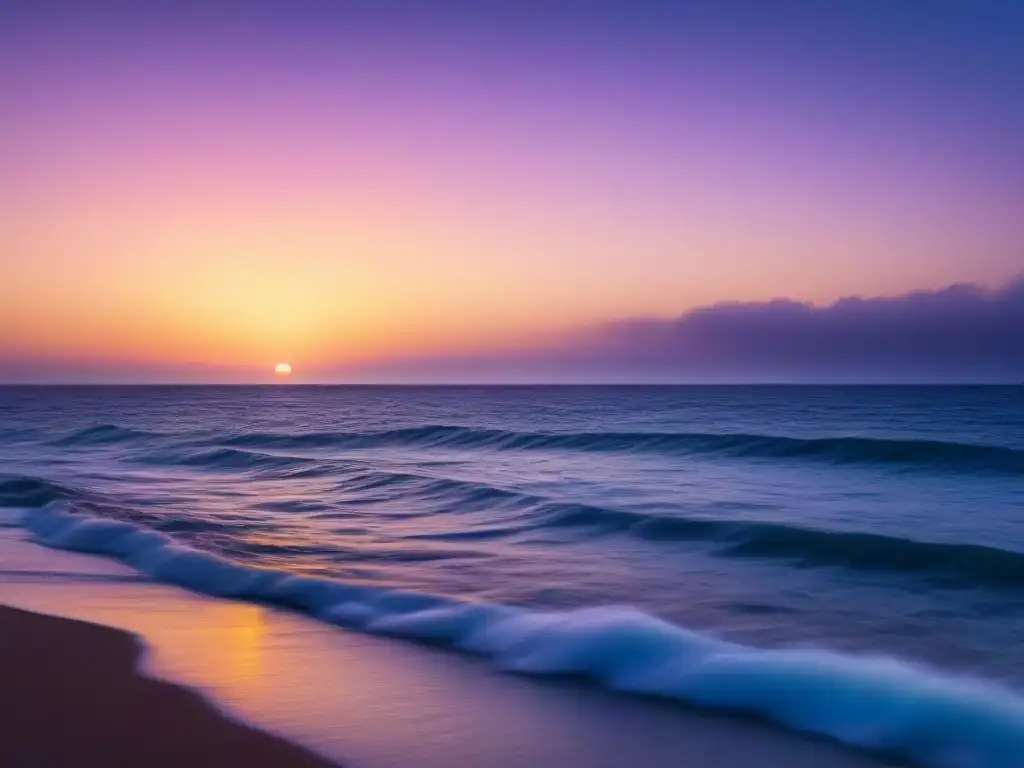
x,y
933,719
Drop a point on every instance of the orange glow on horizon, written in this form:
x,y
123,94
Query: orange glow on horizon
x,y
307,191
203,265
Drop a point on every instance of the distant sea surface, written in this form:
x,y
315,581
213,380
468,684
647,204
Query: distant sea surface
x,y
752,548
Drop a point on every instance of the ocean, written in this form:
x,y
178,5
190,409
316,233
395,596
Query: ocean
x,y
846,561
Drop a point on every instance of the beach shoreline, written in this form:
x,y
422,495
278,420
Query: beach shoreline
x,y
73,694
373,701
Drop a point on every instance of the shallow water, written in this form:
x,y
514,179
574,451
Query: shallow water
x,y
379,703
863,520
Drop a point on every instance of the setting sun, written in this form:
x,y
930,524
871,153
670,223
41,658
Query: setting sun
x,y
283,369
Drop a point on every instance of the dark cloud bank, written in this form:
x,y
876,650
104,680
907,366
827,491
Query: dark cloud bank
x,y
962,333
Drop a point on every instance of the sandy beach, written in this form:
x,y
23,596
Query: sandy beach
x,y
358,700
72,695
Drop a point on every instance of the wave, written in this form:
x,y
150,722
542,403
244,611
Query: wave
x,y
22,491
967,564
931,454
876,703
106,434
226,458
457,494
922,454
972,564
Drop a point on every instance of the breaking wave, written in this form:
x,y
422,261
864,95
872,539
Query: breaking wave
x,y
882,704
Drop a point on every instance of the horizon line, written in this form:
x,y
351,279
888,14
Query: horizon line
x,y
507,385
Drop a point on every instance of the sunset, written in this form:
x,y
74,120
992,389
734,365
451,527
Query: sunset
x,y
192,192
512,383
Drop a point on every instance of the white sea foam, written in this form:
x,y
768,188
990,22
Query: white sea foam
x,y
935,720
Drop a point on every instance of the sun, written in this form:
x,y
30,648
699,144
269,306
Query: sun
x,y
283,369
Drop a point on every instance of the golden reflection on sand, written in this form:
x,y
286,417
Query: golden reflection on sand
x,y
223,642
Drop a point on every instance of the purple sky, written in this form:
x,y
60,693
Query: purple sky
x,y
202,190
962,333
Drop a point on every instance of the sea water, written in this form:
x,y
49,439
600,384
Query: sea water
x,y
845,561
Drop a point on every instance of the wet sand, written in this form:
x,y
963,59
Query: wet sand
x,y
71,695
379,703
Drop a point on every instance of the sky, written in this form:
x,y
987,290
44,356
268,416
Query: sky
x,y
528,190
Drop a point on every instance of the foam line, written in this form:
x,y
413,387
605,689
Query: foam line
x,y
935,720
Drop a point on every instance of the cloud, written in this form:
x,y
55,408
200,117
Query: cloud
x,y
963,333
